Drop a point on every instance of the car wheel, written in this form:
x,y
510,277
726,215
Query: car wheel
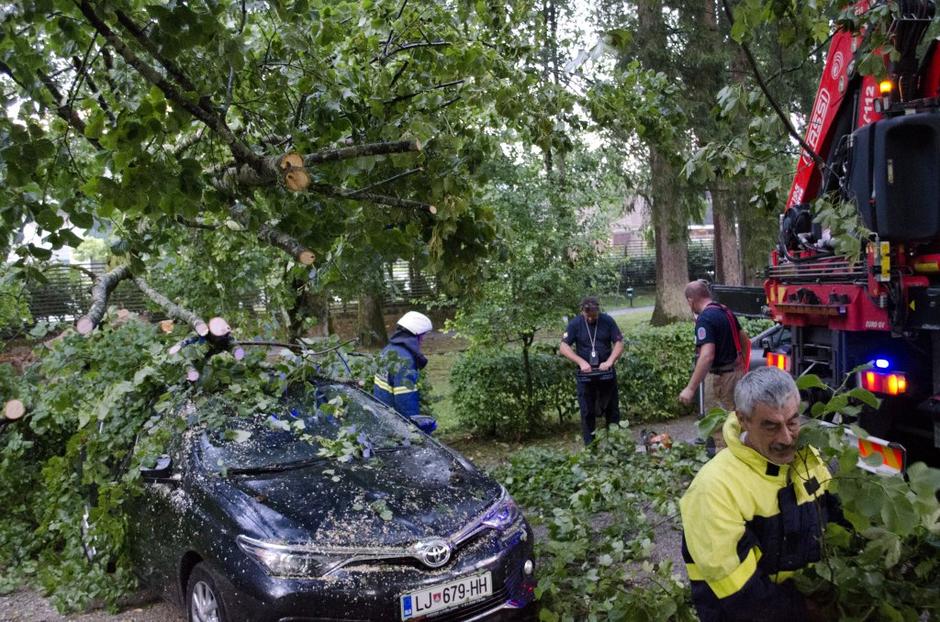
x,y
203,599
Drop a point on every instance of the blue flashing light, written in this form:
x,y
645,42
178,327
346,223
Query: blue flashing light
x,y
881,363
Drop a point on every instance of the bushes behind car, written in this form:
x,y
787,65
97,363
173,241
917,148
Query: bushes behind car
x,y
489,385
654,368
490,396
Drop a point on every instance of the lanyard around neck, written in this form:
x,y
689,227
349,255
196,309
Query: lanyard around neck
x,y
593,337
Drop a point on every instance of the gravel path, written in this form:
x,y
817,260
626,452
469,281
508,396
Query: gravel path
x,y
30,606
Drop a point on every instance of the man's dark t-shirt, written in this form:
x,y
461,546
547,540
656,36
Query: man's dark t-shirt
x,y
579,333
712,327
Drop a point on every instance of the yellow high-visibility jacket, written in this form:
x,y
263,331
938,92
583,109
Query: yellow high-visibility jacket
x,y
747,525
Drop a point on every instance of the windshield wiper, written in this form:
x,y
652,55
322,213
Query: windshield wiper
x,y
276,467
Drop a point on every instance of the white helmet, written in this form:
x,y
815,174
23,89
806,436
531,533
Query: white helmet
x,y
416,323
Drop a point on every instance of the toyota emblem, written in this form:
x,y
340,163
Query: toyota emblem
x,y
434,553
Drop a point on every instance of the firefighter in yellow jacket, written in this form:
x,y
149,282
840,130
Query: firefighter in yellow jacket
x,y
756,511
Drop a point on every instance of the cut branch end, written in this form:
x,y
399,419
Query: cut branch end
x,y
297,179
84,325
14,409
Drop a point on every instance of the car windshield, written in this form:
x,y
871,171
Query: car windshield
x,y
330,417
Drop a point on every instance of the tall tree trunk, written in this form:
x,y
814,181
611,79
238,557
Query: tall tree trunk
x,y
531,413
728,268
727,257
371,320
417,281
309,304
671,239
669,216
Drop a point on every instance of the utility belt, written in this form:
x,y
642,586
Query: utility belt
x,y
723,369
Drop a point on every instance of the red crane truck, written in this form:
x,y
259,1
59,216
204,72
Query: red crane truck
x,y
878,144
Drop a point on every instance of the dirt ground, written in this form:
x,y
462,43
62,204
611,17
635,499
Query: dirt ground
x,y
30,606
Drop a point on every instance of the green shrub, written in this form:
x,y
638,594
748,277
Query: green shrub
x,y
489,390
653,370
600,511
14,307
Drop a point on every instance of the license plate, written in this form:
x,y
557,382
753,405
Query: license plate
x,y
446,596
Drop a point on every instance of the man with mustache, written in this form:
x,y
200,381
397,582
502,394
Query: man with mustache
x,y
756,511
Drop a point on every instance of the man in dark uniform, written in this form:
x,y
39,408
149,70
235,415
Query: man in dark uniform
x,y
719,340
398,387
598,343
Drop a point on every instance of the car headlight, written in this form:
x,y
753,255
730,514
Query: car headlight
x,y
281,560
504,514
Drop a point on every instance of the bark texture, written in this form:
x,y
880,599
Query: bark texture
x,y
371,321
728,268
672,251
100,293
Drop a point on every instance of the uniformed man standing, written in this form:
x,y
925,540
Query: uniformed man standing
x,y
598,343
720,344
399,387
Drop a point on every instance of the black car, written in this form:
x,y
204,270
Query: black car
x,y
266,527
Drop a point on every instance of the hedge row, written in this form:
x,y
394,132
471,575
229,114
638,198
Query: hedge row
x,y
490,386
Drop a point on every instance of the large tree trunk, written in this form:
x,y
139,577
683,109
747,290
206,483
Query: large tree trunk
x,y
672,251
668,213
418,282
371,321
728,269
309,304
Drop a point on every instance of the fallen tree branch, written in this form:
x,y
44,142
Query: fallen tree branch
x,y
95,91
290,169
275,237
359,151
381,199
410,46
13,410
66,112
286,243
204,112
172,309
138,33
100,293
423,91
389,180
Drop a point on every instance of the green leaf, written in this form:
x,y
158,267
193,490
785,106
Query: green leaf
x,y
810,381
95,125
866,397
924,480
238,436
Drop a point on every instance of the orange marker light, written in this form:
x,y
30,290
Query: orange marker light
x,y
884,383
885,87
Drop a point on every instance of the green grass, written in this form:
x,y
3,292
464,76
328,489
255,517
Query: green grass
x,y
641,298
438,371
632,320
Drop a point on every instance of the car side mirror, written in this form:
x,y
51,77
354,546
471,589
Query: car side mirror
x,y
425,423
159,471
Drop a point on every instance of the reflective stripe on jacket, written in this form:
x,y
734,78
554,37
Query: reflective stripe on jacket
x,y
748,524
399,389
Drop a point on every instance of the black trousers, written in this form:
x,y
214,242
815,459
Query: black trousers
x,y
597,398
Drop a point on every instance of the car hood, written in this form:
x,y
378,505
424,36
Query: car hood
x,y
394,499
